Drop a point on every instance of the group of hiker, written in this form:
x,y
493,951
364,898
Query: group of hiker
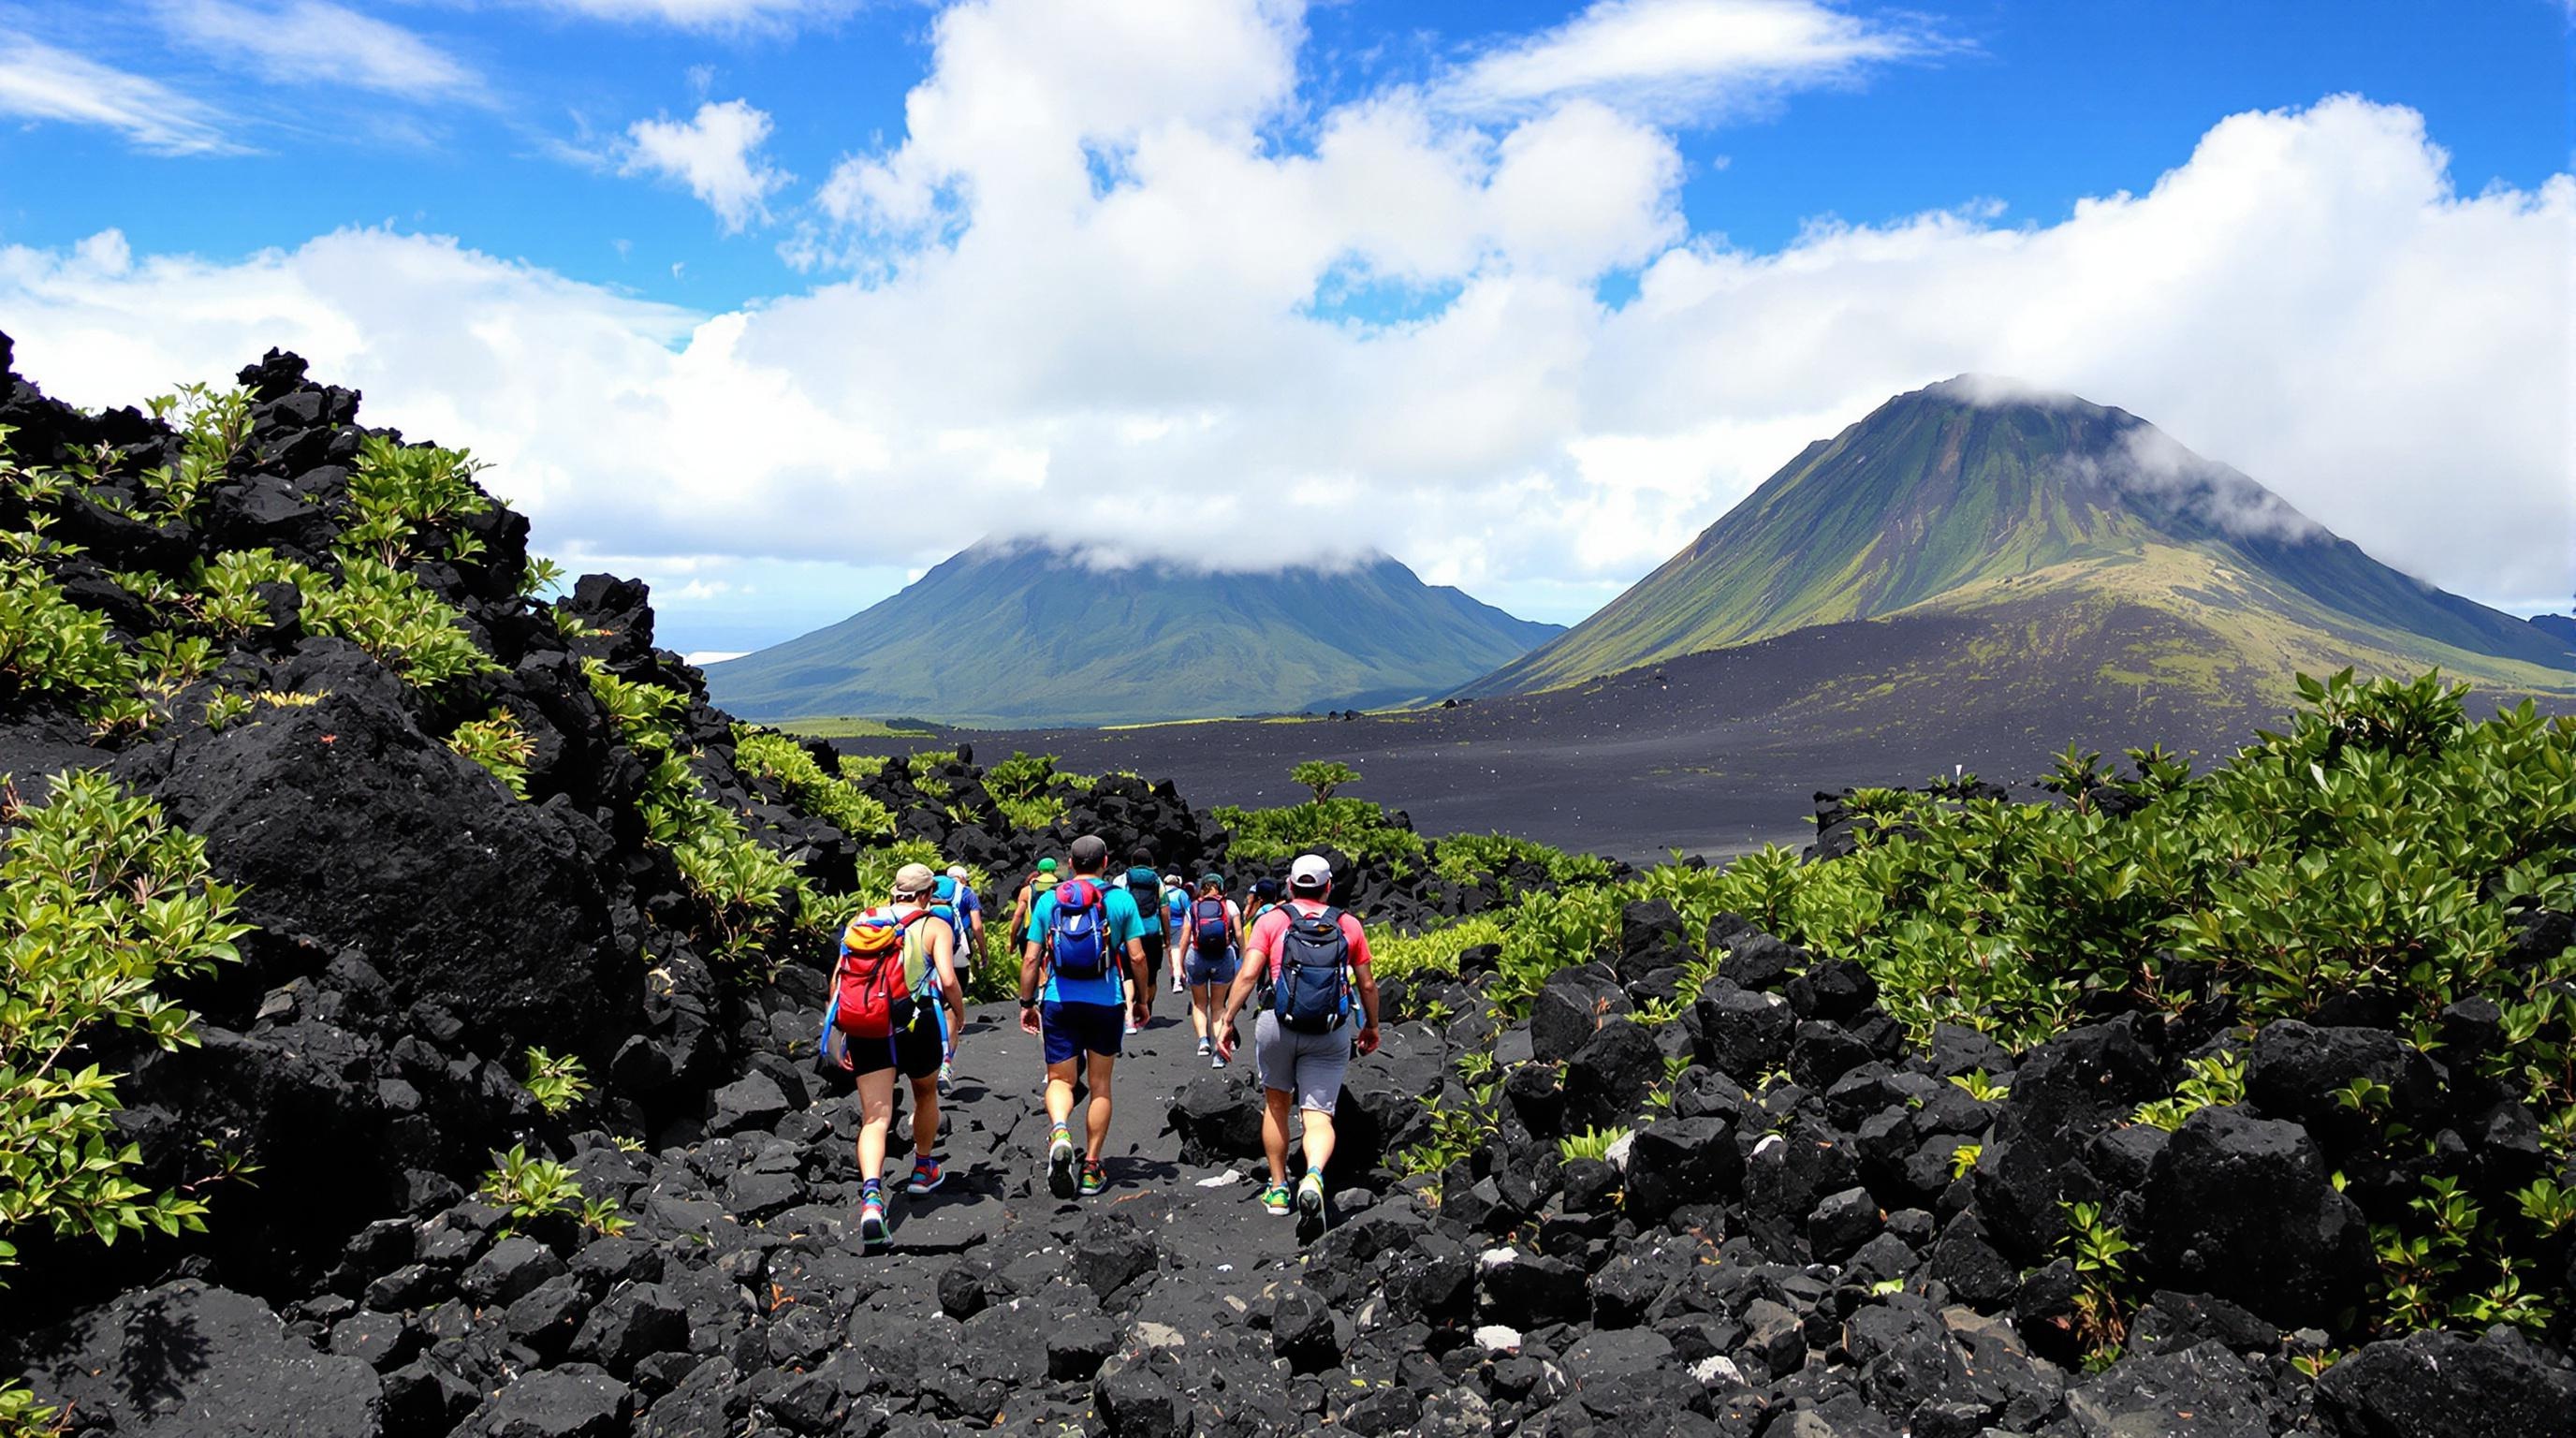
x,y
1092,949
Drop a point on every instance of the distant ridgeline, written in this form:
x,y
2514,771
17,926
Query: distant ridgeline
x,y
2067,535
1020,636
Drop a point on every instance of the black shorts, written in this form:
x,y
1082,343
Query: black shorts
x,y
915,1053
1153,956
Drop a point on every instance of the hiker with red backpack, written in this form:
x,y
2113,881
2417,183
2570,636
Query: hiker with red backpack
x,y
1082,979
1315,961
1211,926
897,966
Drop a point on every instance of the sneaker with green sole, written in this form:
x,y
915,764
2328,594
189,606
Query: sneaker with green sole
x,y
1093,1179
1310,1208
1060,1164
1275,1199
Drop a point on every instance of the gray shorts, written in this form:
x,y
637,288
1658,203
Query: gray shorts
x,y
1308,1065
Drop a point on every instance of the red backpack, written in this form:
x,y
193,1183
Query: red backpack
x,y
871,998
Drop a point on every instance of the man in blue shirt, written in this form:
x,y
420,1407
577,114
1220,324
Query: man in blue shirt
x,y
1085,934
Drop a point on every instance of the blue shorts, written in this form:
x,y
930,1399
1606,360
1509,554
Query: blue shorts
x,y
1072,1030
1204,969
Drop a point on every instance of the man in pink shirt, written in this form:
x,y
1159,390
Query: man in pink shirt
x,y
1314,959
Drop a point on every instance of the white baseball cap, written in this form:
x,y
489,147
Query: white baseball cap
x,y
1309,872
957,872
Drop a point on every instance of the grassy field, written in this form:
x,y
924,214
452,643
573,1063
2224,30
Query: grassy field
x,y
848,727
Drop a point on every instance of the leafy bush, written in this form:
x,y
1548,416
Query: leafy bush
x,y
556,1083
533,1188
100,900
1591,1143
1026,788
1354,826
398,491
2216,1080
876,869
496,742
1470,858
51,646
750,892
783,761
412,631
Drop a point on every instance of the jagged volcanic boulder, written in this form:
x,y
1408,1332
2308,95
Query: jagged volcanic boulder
x,y
348,829
2448,1385
186,1359
2242,1207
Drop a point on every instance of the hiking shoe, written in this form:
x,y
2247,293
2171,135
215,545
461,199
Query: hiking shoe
x,y
872,1224
927,1174
947,1074
1215,1060
1060,1164
1206,1048
1093,1178
1275,1199
1310,1208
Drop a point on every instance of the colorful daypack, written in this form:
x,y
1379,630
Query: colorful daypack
x,y
872,996
1208,928
1077,940
1313,992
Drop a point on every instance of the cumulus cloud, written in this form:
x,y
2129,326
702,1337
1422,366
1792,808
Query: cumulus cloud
x,y
39,82
1684,61
310,42
1074,294
716,154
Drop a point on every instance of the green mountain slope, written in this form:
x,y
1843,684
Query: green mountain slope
x,y
1006,635
1938,502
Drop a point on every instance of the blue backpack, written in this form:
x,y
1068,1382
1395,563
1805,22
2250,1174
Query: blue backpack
x,y
1077,942
1313,992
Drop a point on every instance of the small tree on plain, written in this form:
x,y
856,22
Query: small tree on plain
x,y
1324,776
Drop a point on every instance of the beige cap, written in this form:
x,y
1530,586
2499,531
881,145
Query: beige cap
x,y
914,880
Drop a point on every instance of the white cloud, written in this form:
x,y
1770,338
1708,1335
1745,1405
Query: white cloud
x,y
312,42
1126,292
39,82
1686,60
717,154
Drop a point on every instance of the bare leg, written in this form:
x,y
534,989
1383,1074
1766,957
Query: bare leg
x,y
1318,1139
876,1115
1275,1104
925,1116
1059,1091
1096,1122
1203,1010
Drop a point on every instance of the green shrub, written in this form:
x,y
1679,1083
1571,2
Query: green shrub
x,y
2214,1081
1027,789
400,490
555,1082
1469,858
101,899
1591,1143
410,630
1272,837
828,797
53,647
496,742
532,1188
751,893
213,425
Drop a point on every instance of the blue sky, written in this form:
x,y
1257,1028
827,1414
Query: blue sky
x,y
210,131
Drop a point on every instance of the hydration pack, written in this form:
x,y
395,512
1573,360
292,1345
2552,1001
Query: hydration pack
x,y
1077,939
872,996
1146,888
1208,928
1312,994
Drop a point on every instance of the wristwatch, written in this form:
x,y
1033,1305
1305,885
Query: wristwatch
x,y
1028,1003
